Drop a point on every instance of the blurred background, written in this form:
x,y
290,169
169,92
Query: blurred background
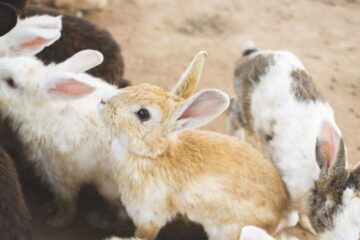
x,y
158,39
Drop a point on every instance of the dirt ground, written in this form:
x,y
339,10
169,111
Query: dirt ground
x,y
159,38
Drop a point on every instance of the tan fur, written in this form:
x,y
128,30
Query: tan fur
x,y
213,179
188,82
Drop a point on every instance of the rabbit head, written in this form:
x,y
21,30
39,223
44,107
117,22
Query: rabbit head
x,y
144,117
26,80
335,200
30,36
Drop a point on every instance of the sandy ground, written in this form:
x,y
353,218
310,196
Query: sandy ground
x,y
159,38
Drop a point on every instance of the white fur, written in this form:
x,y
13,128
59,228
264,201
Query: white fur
x,y
346,221
27,30
65,140
255,233
294,124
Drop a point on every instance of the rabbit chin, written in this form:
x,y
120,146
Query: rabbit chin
x,y
346,221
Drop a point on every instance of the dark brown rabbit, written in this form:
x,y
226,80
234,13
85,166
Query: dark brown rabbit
x,y
15,221
79,34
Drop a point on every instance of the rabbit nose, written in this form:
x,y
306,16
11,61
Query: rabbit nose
x,y
103,102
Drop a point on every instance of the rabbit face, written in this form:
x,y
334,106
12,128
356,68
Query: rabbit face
x,y
335,200
140,116
27,81
17,78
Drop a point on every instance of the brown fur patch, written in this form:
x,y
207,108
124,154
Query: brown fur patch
x,y
303,86
247,74
15,221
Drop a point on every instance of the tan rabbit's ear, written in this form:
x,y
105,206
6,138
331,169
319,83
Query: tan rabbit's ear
x,y
189,80
200,109
330,149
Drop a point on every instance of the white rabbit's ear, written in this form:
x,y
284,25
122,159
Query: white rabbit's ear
x,y
67,86
189,80
201,109
8,18
31,35
81,61
330,149
254,233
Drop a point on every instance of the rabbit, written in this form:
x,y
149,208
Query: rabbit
x,y
333,204
63,135
27,37
79,34
164,167
279,102
15,220
62,138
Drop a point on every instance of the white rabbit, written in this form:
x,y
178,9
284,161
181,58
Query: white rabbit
x,y
278,100
65,140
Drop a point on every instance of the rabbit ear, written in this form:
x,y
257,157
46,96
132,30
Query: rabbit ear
x,y
81,61
8,18
201,109
189,80
32,35
67,86
330,149
254,233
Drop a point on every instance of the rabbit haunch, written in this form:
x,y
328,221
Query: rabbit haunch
x,y
64,140
277,99
167,169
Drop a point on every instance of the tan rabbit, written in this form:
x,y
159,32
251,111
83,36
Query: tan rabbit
x,y
165,168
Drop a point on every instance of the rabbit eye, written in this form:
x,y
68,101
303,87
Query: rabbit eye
x,y
143,114
10,82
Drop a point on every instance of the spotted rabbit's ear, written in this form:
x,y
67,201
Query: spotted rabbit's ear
x,y
8,18
189,80
31,35
330,149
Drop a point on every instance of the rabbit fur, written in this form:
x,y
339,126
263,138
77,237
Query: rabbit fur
x,y
165,168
